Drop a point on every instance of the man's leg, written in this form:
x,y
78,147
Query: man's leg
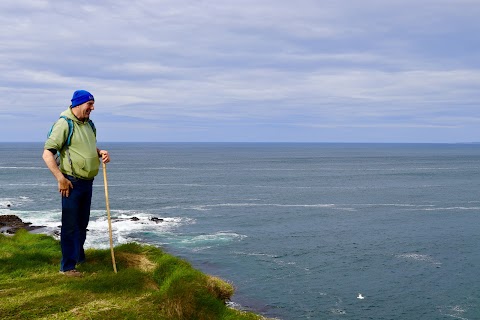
x,y
70,233
84,217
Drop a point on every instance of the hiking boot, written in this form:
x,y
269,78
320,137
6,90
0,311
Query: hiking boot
x,y
72,273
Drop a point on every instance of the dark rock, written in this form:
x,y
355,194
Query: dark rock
x,y
156,220
134,219
11,223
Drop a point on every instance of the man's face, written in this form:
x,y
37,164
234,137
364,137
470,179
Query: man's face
x,y
85,109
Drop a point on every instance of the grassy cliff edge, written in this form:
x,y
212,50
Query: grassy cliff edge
x,y
150,284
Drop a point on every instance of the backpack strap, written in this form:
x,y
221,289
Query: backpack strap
x,y
90,122
70,130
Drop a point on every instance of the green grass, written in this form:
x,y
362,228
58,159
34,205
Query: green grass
x,y
150,284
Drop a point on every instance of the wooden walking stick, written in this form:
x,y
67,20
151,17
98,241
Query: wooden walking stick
x,y
108,215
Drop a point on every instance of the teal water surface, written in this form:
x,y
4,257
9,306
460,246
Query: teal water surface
x,y
300,229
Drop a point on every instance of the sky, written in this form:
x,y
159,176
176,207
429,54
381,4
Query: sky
x,y
244,70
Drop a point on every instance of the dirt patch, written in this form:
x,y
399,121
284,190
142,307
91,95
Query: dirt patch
x,y
138,261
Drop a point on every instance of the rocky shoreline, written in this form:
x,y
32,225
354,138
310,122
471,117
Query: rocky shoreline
x,y
9,224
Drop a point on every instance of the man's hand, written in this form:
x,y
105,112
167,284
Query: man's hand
x,y
64,186
105,156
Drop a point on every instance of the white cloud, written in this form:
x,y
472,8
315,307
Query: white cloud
x,y
369,64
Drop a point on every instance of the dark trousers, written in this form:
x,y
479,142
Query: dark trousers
x,y
75,217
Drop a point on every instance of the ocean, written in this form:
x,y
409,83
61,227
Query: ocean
x,y
302,230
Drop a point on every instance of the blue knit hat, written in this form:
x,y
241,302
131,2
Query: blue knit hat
x,y
81,96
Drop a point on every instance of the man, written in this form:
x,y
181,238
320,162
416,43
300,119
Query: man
x,y
79,164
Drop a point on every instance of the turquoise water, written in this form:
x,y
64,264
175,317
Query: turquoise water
x,y
300,229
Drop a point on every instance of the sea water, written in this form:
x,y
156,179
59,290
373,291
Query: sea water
x,y
301,230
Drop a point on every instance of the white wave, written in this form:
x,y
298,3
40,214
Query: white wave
x,y
25,168
418,257
455,312
234,305
41,184
410,169
450,208
345,209
199,208
171,207
221,236
276,169
238,306
201,243
5,204
421,207
337,311
401,205
256,254
320,205
40,217
206,206
285,187
10,203
273,258
168,168
126,225
200,249
458,309
209,207
135,220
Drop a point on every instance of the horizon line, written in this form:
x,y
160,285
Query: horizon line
x,y
272,142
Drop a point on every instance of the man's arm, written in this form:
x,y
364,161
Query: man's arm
x,y
64,185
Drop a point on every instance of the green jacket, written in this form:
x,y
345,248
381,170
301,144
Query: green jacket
x,y
83,147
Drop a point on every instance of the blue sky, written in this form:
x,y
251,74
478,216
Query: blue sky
x,y
245,70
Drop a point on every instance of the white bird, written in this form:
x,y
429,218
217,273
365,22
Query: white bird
x,y
360,296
